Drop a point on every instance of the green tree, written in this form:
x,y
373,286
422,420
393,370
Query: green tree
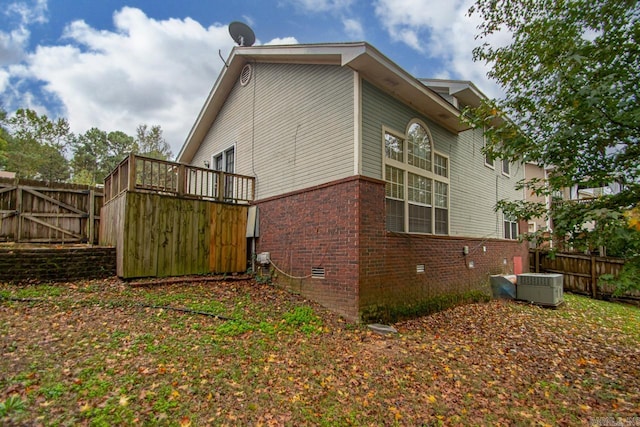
x,y
151,143
96,153
37,146
89,155
570,78
4,138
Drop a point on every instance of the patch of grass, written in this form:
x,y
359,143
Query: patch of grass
x,y
232,328
610,314
11,405
302,318
284,361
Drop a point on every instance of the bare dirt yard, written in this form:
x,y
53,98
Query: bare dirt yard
x,y
105,353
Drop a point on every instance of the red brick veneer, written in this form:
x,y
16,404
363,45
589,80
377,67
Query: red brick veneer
x,y
341,226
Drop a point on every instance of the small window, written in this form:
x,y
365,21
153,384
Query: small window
x,y
488,160
419,147
510,229
393,147
441,165
505,167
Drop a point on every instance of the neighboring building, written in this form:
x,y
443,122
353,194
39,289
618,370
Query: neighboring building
x,y
372,195
538,225
9,175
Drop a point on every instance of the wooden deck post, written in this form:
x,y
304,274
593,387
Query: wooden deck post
x,y
221,185
181,179
131,180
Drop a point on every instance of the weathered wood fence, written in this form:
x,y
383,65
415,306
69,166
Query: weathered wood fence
x,y
39,212
581,272
171,219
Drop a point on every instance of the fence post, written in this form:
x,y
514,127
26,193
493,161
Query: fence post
x,y
594,278
182,174
92,214
221,185
131,179
537,260
19,211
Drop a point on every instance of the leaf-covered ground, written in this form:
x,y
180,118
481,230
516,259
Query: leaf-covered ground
x,y
96,353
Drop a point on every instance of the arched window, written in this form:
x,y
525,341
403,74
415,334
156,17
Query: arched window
x,y
417,182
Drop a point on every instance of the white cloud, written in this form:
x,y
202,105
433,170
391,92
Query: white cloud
x,y
29,12
145,71
13,45
18,15
353,29
321,5
282,41
442,29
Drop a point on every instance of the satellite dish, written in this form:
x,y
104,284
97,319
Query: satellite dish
x,y
242,34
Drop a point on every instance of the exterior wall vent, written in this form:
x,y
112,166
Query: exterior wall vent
x,y
245,75
420,268
317,272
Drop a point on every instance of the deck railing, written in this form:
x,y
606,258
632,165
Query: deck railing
x,y
140,173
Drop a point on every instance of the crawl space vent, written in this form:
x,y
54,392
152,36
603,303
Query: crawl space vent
x,y
317,272
420,268
245,75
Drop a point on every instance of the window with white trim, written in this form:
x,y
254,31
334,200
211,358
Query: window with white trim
x,y
505,167
226,161
417,182
488,160
510,228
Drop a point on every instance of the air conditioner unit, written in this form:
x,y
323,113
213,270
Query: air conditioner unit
x,y
540,288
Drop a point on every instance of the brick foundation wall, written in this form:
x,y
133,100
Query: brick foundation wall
x,y
341,227
388,261
56,264
317,227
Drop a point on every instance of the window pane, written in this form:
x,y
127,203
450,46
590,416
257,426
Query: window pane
x,y
441,192
395,182
230,161
507,229
440,166
514,230
419,189
442,221
419,219
395,215
393,147
505,166
419,147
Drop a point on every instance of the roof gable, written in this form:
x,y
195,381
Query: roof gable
x,y
360,56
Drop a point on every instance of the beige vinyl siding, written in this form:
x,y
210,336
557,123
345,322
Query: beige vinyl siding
x,y
473,189
380,109
303,134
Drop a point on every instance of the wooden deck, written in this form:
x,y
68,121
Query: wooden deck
x,y
169,219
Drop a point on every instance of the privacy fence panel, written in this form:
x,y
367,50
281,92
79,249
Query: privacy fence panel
x,y
162,235
582,273
38,212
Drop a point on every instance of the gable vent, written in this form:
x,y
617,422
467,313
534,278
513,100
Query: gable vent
x,y
245,75
317,272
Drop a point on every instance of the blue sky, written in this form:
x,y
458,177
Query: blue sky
x,y
115,64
